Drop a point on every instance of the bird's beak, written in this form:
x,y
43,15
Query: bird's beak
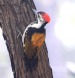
x,y
36,15
35,11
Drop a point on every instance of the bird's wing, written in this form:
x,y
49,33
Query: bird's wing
x,y
29,50
38,39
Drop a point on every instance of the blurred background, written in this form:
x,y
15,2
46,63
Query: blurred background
x,y
60,39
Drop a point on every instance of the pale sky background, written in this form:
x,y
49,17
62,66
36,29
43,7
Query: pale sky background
x,y
60,38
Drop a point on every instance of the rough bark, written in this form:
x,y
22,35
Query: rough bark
x,y
15,15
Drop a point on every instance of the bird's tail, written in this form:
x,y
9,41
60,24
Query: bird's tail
x,y
31,64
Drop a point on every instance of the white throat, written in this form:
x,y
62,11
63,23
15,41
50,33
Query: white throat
x,y
37,25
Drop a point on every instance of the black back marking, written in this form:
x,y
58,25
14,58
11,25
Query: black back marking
x,y
31,31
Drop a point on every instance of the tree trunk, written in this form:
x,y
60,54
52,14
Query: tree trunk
x,y
15,15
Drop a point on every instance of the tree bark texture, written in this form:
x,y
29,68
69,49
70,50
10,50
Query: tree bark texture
x,y
15,15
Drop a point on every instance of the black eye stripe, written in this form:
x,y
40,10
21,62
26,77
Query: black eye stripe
x,y
41,13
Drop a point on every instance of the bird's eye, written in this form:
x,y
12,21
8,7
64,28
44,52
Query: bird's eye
x,y
40,17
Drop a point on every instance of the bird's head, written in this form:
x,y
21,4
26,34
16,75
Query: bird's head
x,y
43,17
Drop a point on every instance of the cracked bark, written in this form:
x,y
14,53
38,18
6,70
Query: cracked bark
x,y
15,15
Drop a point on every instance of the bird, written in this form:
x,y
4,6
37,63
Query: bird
x,y
33,39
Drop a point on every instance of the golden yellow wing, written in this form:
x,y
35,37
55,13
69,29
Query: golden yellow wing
x,y
38,39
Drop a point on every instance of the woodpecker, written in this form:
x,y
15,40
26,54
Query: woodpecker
x,y
33,38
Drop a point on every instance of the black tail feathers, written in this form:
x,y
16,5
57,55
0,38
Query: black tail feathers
x,y
31,64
